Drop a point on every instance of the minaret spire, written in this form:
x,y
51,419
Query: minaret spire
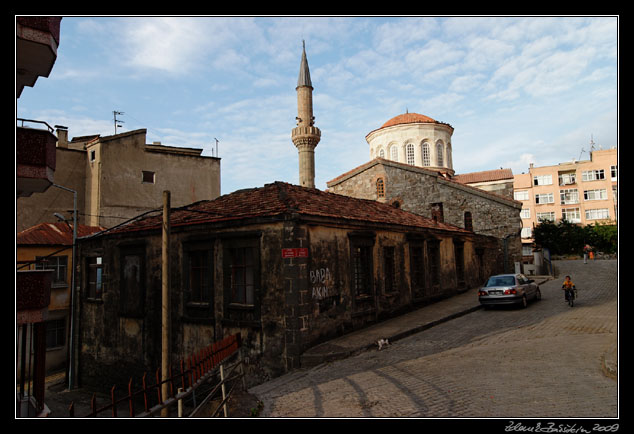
x,y
305,136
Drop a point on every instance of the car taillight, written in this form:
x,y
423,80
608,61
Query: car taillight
x,y
510,291
482,293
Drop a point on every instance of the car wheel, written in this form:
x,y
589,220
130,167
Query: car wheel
x,y
538,295
524,302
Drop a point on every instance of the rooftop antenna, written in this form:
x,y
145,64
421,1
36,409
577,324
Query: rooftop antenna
x,y
117,121
216,147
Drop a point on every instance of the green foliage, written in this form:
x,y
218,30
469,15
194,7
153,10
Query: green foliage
x,y
565,238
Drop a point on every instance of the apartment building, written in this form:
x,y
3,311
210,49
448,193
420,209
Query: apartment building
x,y
583,192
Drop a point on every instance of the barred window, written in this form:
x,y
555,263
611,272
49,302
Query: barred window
x,y
380,188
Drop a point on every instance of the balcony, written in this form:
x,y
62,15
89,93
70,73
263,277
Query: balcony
x,y
35,159
33,295
37,39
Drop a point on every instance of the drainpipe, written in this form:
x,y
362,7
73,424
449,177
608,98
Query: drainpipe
x,y
71,352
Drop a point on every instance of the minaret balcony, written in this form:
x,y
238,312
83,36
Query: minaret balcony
x,y
306,131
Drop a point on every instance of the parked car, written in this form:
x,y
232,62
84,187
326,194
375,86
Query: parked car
x,y
508,289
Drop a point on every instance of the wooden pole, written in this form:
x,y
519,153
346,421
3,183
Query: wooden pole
x,y
165,304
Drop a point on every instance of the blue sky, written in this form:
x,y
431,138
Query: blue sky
x,y
517,90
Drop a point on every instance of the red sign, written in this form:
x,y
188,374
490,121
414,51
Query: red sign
x,y
300,252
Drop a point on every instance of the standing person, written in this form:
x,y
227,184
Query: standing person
x,y
568,287
586,250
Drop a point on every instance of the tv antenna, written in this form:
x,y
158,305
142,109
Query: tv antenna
x,y
117,121
216,147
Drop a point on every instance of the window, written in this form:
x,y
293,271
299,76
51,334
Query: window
x,y
93,155
458,247
59,265
389,270
468,221
527,250
546,216
417,270
94,285
394,153
241,279
544,198
362,270
571,215
600,194
55,333
380,188
147,177
433,248
520,195
437,212
569,196
593,175
597,214
243,275
613,173
132,284
410,154
198,294
526,232
525,213
382,153
439,154
543,180
567,178
426,157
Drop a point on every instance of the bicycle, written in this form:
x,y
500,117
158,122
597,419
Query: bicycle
x,y
571,295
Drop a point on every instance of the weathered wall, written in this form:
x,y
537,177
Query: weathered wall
x,y
416,189
299,301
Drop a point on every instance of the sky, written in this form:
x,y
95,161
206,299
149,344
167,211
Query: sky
x,y
517,90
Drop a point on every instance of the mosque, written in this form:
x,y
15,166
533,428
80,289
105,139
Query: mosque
x,y
411,167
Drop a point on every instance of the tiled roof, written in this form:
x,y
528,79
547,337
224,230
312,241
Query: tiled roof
x,y
484,176
408,118
280,198
58,234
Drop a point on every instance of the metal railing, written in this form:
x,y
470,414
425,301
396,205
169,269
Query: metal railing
x,y
195,374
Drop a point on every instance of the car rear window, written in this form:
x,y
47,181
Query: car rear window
x,y
501,281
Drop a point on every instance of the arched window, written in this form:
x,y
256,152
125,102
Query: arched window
x,y
380,188
394,153
439,154
426,158
410,154
382,153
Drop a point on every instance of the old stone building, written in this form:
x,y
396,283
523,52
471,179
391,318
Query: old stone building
x,y
412,169
284,265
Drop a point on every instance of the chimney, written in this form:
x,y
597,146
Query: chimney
x,y
62,136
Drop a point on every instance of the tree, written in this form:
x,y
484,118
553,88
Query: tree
x,y
565,238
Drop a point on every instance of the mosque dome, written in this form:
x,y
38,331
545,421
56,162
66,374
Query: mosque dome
x,y
414,139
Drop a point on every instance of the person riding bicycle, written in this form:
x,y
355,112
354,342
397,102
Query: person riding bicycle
x,y
568,287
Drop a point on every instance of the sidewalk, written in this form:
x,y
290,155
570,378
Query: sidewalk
x,y
397,328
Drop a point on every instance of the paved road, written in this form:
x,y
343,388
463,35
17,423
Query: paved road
x,y
544,361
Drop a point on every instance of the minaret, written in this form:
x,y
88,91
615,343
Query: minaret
x,y
305,136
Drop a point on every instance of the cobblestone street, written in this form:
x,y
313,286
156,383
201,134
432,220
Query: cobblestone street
x,y
545,361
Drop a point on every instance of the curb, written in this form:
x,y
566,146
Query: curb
x,y
312,360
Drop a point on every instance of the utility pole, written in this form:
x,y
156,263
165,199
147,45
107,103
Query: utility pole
x,y
165,304
117,121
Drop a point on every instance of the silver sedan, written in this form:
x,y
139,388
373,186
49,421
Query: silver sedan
x,y
508,289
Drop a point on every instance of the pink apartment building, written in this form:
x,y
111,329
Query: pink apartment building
x,y
583,192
